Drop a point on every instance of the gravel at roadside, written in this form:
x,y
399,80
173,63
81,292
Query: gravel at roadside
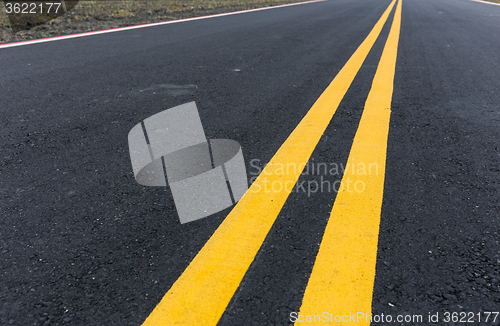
x,y
98,15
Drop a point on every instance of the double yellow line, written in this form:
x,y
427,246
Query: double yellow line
x,y
342,279
343,274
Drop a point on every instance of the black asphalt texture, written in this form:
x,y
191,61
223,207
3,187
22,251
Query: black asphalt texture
x,y
83,244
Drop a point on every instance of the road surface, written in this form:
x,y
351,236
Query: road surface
x,y
83,244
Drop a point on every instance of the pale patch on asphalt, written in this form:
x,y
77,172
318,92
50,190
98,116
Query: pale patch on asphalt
x,y
169,89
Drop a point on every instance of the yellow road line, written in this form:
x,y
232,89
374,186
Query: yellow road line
x,y
203,291
341,283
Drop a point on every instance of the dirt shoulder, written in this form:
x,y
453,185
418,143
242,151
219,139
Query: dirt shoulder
x,y
90,15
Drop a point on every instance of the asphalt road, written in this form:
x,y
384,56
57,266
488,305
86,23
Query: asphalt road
x,y
83,244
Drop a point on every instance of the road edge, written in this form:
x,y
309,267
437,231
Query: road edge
x,y
126,28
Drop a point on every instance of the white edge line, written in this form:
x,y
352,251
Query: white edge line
x,y
488,2
119,29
